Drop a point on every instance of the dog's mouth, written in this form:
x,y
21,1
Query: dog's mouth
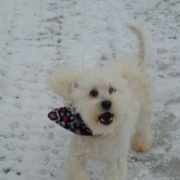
x,y
106,118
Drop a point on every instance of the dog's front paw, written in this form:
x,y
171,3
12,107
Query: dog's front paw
x,y
141,142
82,176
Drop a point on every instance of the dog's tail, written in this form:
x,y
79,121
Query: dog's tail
x,y
142,44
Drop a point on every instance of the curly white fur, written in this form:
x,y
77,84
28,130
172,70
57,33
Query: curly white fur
x,y
132,106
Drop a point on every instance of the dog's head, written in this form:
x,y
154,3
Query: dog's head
x,y
100,95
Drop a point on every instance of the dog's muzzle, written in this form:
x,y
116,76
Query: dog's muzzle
x,y
106,118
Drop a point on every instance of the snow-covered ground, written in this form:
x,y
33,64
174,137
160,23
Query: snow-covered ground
x,y
37,36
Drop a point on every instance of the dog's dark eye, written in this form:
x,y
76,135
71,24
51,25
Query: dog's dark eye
x,y
93,93
111,90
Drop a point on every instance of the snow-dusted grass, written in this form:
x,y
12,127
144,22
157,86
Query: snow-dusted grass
x,y
37,36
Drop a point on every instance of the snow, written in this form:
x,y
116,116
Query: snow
x,y
38,36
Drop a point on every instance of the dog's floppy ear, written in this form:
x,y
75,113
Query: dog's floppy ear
x,y
63,81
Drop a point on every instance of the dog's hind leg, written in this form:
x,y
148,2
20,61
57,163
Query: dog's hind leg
x,y
142,138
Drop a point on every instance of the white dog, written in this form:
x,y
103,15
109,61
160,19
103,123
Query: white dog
x,y
111,100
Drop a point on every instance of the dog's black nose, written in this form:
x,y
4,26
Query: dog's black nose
x,y
106,104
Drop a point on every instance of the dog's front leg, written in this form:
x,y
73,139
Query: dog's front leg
x,y
117,161
76,168
117,170
76,162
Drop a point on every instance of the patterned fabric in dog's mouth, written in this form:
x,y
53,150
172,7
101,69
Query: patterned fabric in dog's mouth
x,y
72,122
106,118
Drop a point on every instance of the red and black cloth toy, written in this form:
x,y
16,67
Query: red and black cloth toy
x,y
69,121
